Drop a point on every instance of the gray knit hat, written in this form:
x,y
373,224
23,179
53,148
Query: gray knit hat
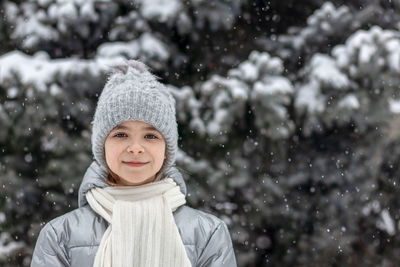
x,y
133,93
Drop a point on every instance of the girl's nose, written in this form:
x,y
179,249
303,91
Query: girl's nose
x,y
135,148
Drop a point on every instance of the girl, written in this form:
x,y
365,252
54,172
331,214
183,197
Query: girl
x,y
132,208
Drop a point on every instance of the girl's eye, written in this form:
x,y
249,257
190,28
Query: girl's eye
x,y
147,136
151,136
120,135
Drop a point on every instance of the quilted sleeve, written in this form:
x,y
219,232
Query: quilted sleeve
x,y
48,251
219,250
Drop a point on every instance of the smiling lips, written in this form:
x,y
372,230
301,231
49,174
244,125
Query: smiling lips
x,y
135,163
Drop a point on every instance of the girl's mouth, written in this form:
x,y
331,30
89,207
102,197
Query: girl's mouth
x,y
135,164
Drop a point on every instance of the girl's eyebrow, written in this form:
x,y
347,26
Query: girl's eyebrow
x,y
122,127
150,128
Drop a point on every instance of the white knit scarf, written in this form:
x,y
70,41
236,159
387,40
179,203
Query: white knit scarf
x,y
142,231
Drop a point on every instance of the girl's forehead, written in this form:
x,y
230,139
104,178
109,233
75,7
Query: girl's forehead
x,y
134,125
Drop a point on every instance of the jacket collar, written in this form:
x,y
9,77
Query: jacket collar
x,y
95,176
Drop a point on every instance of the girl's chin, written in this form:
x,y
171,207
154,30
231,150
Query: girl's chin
x,y
137,181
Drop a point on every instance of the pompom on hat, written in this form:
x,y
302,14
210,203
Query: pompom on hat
x,y
133,93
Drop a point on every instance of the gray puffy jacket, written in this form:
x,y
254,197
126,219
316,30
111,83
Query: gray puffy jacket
x,y
73,239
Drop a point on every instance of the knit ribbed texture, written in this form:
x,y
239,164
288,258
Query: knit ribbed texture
x,y
135,94
142,230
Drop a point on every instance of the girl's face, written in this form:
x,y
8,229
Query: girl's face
x,y
135,151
